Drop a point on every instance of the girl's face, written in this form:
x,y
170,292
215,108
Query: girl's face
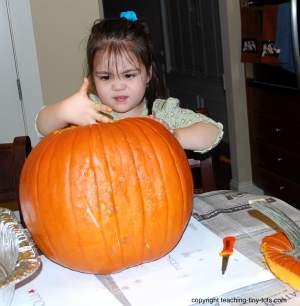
x,y
120,83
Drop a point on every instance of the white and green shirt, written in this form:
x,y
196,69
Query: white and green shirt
x,y
175,116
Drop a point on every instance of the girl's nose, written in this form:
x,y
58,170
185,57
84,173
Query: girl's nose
x,y
118,85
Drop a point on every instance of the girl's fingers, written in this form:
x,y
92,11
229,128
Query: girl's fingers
x,y
103,118
85,86
92,122
102,108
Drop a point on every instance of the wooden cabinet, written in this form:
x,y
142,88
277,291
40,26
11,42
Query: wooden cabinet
x,y
274,127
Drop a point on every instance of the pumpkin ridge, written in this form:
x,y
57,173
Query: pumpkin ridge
x,y
278,243
129,125
168,145
93,135
126,141
162,178
25,174
176,166
106,163
55,148
184,201
44,154
69,180
62,141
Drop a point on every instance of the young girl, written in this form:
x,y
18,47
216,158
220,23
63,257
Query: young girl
x,y
123,82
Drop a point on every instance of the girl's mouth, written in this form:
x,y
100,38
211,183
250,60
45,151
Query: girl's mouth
x,y
121,98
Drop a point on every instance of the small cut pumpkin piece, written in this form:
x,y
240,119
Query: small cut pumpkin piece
x,y
281,250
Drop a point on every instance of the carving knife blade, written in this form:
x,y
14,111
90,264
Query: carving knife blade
x,y
228,244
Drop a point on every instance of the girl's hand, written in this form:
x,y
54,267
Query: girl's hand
x,y
80,110
161,121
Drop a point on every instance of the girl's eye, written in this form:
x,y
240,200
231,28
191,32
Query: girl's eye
x,y
104,77
130,75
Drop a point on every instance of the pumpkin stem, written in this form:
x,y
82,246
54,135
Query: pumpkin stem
x,y
290,228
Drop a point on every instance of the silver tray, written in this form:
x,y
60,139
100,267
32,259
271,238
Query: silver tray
x,y
19,258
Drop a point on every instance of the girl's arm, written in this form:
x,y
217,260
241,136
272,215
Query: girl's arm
x,y
194,131
198,136
77,109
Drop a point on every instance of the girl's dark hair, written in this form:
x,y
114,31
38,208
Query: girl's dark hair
x,y
120,36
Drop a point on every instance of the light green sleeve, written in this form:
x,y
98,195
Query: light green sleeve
x,y
177,117
94,98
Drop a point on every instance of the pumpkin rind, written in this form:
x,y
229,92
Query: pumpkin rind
x,y
108,196
285,267
281,250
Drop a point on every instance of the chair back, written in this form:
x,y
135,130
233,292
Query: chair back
x,y
202,170
12,158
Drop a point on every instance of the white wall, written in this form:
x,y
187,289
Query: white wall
x,y
61,28
18,60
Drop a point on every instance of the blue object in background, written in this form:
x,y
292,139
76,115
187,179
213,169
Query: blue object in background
x,y
129,15
284,40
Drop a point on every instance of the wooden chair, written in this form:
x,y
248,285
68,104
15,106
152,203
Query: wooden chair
x,y
203,171
12,158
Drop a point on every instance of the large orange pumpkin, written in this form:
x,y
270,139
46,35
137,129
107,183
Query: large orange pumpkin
x,y
108,196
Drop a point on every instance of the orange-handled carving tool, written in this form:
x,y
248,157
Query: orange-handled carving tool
x,y
228,244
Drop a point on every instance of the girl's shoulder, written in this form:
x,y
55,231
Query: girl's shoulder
x,y
165,104
177,117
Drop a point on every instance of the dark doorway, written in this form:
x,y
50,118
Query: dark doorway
x,y
187,41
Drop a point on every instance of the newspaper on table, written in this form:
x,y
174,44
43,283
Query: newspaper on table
x,y
191,269
227,212
223,213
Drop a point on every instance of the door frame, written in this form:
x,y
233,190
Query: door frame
x,y
235,90
27,62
